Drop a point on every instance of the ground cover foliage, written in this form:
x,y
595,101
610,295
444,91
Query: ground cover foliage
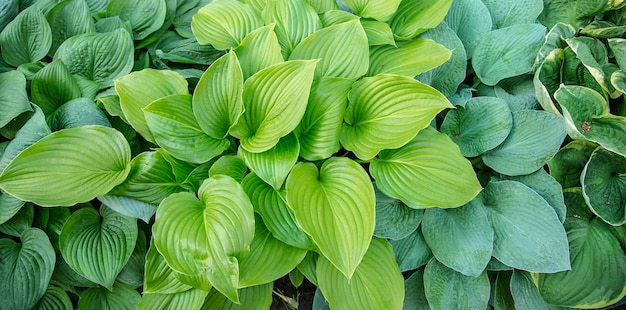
x,y
404,154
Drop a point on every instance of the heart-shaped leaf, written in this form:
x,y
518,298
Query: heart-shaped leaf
x,y
378,9
446,288
274,101
144,16
118,297
294,20
107,238
339,218
377,281
407,59
26,269
13,97
411,175
415,17
471,20
259,50
604,186
55,298
65,168
217,105
224,24
273,165
386,112
68,19
27,38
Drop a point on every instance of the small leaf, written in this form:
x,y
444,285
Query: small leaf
x,y
13,98
339,219
27,38
471,21
69,168
429,171
26,269
446,288
567,165
415,17
224,24
107,238
294,20
377,281
378,9
341,48
386,112
134,96
144,16
259,50
55,298
120,297
273,165
394,219
415,297
411,251
20,222
9,206
408,59
274,101
534,138
604,186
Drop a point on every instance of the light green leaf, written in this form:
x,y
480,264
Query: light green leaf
x,y
26,268
230,165
216,231
67,19
98,57
294,19
159,277
174,128
274,101
479,126
9,206
507,52
269,258
412,251
55,298
320,127
107,238
189,299
525,294
335,17
429,171
251,298
225,23
322,6
534,138
537,240
460,238
598,275
134,95
20,222
471,21
145,16
378,33
386,112
120,297
377,281
217,100
13,98
378,9
417,16
259,50
53,86
273,165
394,220
511,12
278,217
78,113
604,186
26,39
66,168
308,266
448,289
408,59
342,49
339,218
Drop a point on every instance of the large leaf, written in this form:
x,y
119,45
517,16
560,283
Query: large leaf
x,y
53,86
274,101
26,269
251,298
65,168
429,171
342,49
378,9
604,186
534,138
259,50
189,299
415,17
13,98
145,16
320,127
269,258
547,187
174,128
507,52
479,126
278,217
377,282
27,38
448,289
529,238
67,19
273,165
471,21
386,112
576,13
216,231
598,275
217,100
394,219
107,238
99,57
159,277
408,59
339,218
225,23
120,297
510,12
294,19
460,238
134,95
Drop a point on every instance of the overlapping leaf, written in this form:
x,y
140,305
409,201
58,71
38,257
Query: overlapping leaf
x,y
259,50
446,288
13,97
27,38
144,16
294,19
378,9
604,186
225,23
407,59
415,17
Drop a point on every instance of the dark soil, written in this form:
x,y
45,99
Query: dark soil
x,y
292,296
